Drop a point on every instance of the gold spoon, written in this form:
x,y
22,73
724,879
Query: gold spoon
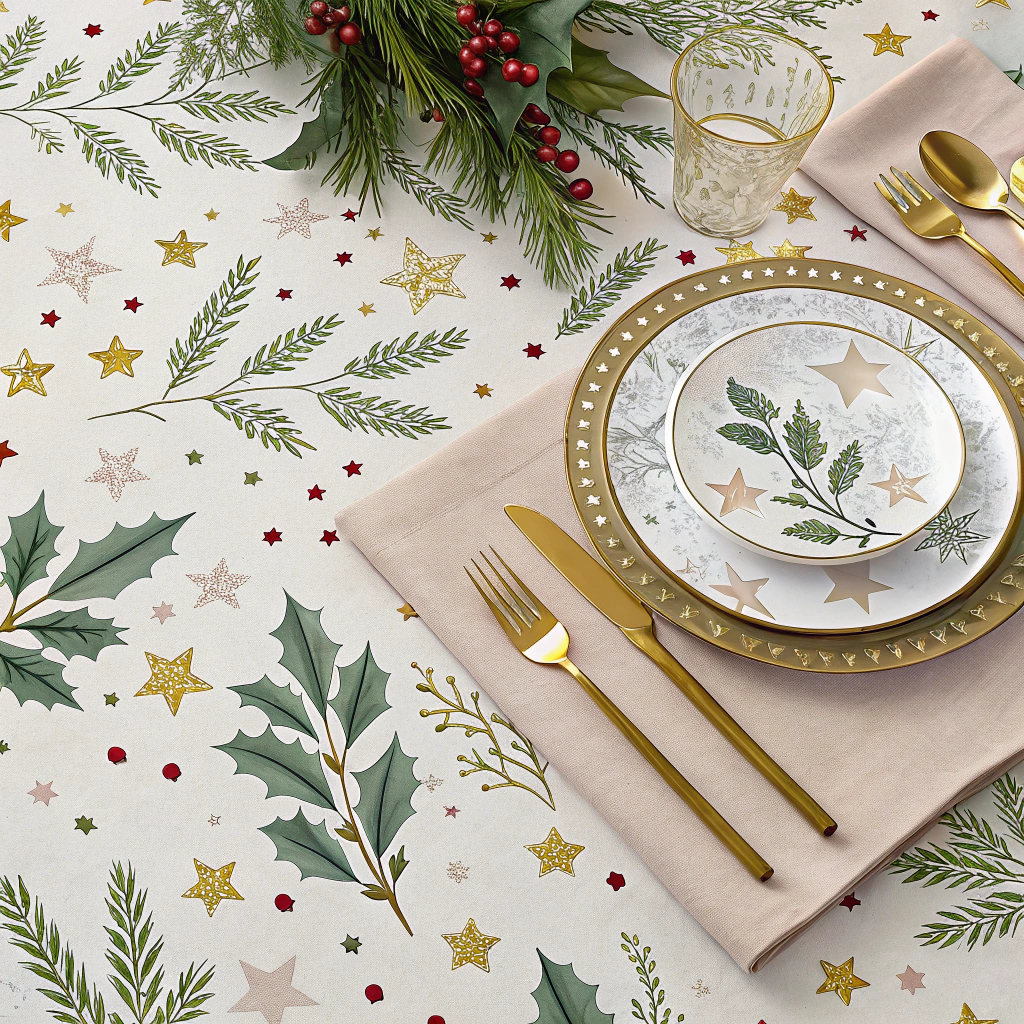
x,y
1017,178
965,173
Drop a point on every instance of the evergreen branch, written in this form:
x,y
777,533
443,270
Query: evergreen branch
x,y
413,181
211,324
399,357
271,426
938,866
108,153
57,83
626,269
354,410
1000,915
286,349
41,130
243,106
17,52
147,56
466,147
1009,801
184,1002
191,144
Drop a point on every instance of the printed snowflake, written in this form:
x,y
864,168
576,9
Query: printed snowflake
x,y
951,535
431,782
457,871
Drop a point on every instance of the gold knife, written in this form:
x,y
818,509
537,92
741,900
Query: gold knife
x,y
610,597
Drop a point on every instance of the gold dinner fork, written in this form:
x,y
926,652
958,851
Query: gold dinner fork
x,y
541,638
931,218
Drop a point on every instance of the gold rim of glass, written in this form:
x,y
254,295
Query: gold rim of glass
x,y
678,104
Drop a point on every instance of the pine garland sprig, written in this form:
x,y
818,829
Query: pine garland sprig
x,y
56,84
147,55
191,144
106,152
384,416
213,105
271,426
289,348
211,325
398,357
17,52
594,299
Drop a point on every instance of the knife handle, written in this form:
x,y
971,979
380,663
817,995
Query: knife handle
x,y
723,831
724,722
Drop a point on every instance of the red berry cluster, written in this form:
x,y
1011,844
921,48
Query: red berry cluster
x,y
567,161
490,36
323,17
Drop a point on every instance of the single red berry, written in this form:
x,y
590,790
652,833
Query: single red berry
x,y
342,14
171,772
581,189
435,1018
478,44
493,28
568,160
283,902
476,68
319,8
509,42
374,993
492,43
314,26
465,14
545,154
549,135
330,19
437,115
350,33
530,75
475,28
115,755
535,115
511,70
466,55
474,89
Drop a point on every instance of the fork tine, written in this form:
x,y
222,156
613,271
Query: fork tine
x,y
507,624
920,188
519,619
891,196
528,614
536,606
903,188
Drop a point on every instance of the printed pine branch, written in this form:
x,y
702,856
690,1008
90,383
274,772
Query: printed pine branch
x,y
232,106
400,357
107,153
271,426
17,52
56,84
146,57
289,348
354,410
593,300
191,145
510,766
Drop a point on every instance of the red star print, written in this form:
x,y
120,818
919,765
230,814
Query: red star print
x,y
92,30
316,492
272,536
533,351
450,812
353,468
615,880
5,451
929,15
343,258
350,215
50,319
329,537
856,232
284,293
849,901
510,282
133,304
687,257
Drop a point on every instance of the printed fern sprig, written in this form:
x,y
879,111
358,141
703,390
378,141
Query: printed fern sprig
x,y
593,300
645,966
350,408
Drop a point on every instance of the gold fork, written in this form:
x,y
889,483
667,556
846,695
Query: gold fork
x,y
931,218
541,638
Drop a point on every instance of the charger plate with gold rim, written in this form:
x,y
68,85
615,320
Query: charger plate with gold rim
x,y
955,581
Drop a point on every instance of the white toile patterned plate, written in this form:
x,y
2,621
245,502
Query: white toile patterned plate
x,y
813,442
953,552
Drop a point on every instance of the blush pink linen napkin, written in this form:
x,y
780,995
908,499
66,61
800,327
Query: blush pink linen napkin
x,y
958,89
885,753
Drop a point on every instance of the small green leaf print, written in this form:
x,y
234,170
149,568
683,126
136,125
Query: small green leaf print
x,y
804,439
385,789
792,499
845,470
813,530
310,848
752,437
750,402
29,548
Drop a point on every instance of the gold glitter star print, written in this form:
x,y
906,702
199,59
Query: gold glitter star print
x,y
172,679
213,886
26,375
116,358
8,220
425,276
840,980
968,1016
737,252
555,854
179,250
470,946
794,205
886,41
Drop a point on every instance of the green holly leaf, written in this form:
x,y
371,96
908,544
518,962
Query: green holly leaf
x,y
30,676
278,703
311,848
385,791
595,83
29,548
105,567
360,698
545,33
315,134
563,999
308,651
285,768
74,632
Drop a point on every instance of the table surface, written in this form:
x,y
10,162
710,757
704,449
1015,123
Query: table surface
x,y
261,526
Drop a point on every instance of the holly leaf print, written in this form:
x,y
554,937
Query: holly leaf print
x,y
74,632
311,848
845,470
29,548
30,676
385,791
360,698
309,652
803,438
563,999
278,703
